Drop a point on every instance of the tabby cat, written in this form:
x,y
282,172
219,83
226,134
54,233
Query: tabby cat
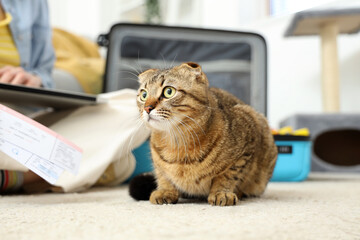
x,y
204,142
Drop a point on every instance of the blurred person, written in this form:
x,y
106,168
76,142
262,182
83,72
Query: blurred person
x,y
26,58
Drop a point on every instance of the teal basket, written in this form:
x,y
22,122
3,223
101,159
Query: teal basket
x,y
143,160
293,162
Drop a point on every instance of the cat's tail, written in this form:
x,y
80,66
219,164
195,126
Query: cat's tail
x,y
142,186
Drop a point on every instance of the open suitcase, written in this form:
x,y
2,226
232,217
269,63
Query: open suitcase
x,y
234,61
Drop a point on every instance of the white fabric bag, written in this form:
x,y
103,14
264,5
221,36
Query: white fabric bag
x,y
106,133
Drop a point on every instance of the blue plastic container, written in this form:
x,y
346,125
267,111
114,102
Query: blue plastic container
x,y
293,162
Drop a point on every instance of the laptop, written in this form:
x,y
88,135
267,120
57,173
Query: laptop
x,y
40,97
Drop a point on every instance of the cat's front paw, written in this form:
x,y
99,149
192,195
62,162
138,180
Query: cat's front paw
x,y
223,199
164,197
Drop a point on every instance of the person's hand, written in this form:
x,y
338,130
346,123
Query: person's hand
x,y
18,76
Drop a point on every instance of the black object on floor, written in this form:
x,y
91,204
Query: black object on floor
x,y
142,186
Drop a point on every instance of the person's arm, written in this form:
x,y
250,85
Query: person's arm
x,y
42,52
32,35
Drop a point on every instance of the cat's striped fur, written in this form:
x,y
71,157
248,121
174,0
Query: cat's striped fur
x,y
204,142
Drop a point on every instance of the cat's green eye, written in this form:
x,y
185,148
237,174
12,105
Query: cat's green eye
x,y
143,95
169,92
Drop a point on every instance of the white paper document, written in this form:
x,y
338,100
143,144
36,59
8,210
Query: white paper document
x,y
37,147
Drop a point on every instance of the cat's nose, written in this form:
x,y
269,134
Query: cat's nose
x,y
149,108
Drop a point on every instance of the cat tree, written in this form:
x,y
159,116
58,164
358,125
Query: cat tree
x,y
328,23
329,129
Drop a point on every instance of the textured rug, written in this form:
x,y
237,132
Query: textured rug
x,y
326,206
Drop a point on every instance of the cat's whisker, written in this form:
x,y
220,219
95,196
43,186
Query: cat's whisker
x,y
181,122
122,146
131,79
128,71
138,62
193,121
194,133
168,130
138,124
172,63
128,78
136,70
182,137
164,62
131,73
172,137
165,136
175,137
198,139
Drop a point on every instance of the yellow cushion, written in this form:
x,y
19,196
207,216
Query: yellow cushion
x,y
81,58
9,54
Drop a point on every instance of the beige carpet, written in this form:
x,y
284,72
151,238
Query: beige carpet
x,y
323,207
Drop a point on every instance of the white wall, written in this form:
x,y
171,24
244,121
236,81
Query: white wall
x,y
80,16
294,80
294,65
224,14
89,18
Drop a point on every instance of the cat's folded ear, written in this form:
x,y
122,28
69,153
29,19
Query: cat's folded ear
x,y
196,69
193,67
146,74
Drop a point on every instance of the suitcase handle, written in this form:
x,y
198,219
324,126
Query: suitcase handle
x,y
103,40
